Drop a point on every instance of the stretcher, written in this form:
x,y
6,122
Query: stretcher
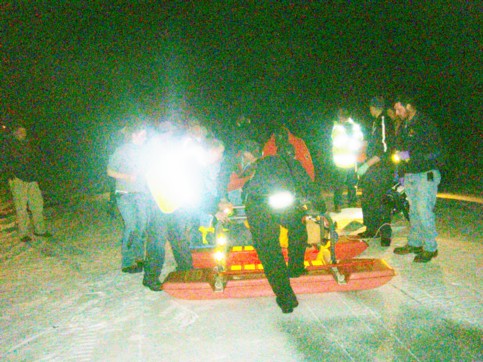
x,y
225,271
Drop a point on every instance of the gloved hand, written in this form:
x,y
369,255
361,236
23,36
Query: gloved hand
x,y
403,155
362,169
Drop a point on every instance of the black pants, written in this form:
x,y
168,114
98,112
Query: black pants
x,y
376,215
345,178
265,229
162,228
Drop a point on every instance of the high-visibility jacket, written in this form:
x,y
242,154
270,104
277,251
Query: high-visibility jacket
x,y
347,140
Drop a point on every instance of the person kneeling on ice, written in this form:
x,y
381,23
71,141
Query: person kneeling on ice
x,y
272,198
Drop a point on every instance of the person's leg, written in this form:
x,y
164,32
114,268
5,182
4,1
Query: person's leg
x,y
139,233
36,206
18,188
339,182
351,183
127,208
265,231
156,234
382,214
411,185
178,224
297,243
369,205
428,189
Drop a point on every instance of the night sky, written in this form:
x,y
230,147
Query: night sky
x,y
74,72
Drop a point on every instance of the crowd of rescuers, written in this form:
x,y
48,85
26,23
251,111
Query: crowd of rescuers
x,y
175,176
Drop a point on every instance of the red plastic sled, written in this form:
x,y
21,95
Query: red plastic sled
x,y
206,283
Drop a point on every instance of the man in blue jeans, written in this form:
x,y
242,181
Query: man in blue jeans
x,y
128,167
420,158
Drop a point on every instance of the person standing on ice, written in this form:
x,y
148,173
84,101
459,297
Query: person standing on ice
x,y
376,175
272,198
347,140
420,156
22,169
128,166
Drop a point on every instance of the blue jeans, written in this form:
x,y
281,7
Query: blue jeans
x,y
134,211
421,190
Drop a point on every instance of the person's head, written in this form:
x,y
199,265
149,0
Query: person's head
x,y
19,132
391,113
405,107
343,115
136,130
376,106
284,147
216,148
196,129
250,151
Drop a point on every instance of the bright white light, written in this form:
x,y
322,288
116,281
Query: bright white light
x,y
221,240
175,177
219,256
281,200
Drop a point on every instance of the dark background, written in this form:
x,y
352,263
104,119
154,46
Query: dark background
x,y
74,72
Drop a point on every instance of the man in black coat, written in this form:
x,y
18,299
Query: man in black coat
x,y
377,174
279,178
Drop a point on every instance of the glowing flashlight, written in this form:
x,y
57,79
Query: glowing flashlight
x,y
219,256
221,239
281,200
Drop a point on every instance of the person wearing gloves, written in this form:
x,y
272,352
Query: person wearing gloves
x,y
376,175
421,155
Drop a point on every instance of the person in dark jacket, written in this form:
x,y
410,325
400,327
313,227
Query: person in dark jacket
x,y
376,175
420,155
23,162
284,177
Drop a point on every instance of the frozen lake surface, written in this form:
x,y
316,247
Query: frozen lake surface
x,y
66,299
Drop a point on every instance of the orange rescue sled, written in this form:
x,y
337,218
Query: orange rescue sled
x,y
359,274
241,274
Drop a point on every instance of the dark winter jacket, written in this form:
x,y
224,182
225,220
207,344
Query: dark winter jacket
x,y
421,138
275,173
380,140
23,160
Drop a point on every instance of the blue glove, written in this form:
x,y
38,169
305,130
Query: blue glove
x,y
403,155
362,169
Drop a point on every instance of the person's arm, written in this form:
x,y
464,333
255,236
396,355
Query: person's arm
x,y
120,175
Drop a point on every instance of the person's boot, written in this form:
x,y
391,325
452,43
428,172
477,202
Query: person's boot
x,y
385,241
287,306
408,249
367,235
152,283
425,256
133,269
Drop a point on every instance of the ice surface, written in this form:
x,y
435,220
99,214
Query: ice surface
x,y
66,299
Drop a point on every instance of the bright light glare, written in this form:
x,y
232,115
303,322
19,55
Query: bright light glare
x,y
281,200
219,256
221,240
175,178
396,158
